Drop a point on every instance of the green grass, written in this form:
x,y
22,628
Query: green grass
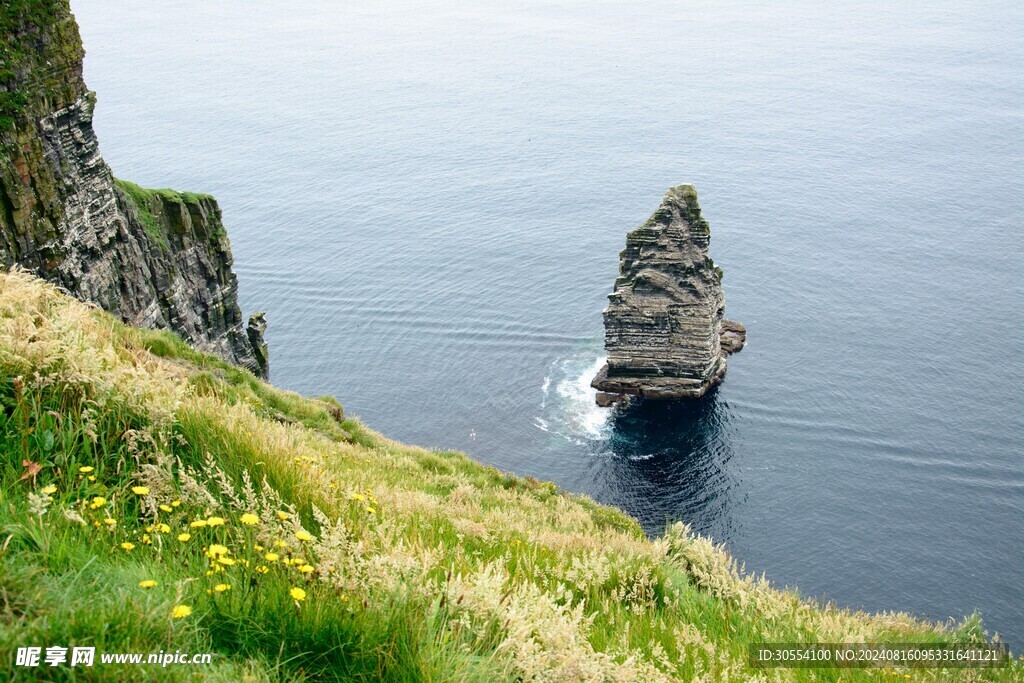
x,y
417,565
150,203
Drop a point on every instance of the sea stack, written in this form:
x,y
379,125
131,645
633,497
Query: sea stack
x,y
665,334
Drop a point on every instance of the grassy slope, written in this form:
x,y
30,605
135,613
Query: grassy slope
x,y
419,565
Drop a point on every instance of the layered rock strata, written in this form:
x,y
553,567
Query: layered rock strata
x,y
155,258
665,334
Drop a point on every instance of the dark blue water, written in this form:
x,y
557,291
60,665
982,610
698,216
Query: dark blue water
x,y
429,199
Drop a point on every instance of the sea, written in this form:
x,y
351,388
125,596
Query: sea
x,y
429,198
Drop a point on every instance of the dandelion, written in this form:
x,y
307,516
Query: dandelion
x,y
280,544
249,519
271,557
110,521
163,528
215,521
127,546
226,561
198,524
297,594
371,511
303,535
181,611
148,583
306,568
85,470
216,550
258,548
175,503
282,515
98,502
221,587
166,508
358,496
184,537
146,539
91,477
140,490
262,569
50,490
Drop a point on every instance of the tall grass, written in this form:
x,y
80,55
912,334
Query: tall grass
x,y
154,498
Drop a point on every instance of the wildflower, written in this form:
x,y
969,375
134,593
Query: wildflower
x,y
110,521
297,594
258,548
140,490
98,502
198,523
221,587
216,550
358,496
249,519
91,477
226,561
127,546
280,544
166,508
271,557
306,568
181,611
148,583
50,490
85,470
303,535
149,529
371,511
262,569
146,539
215,521
184,537
163,528
282,515
175,503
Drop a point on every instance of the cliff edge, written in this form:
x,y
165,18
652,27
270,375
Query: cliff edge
x,y
665,334
154,258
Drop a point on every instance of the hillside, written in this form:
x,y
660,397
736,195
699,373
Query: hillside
x,y
157,499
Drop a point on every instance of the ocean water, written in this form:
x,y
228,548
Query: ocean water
x,y
429,198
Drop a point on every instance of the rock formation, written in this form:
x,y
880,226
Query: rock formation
x,y
664,329
154,258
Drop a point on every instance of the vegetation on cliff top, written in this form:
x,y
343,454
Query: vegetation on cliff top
x,y
154,498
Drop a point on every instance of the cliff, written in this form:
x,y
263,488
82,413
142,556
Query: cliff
x,y
154,258
664,320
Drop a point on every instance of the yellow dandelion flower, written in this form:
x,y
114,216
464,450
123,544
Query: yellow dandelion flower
x,y
175,503
146,539
371,511
110,521
297,594
140,490
98,502
258,548
198,524
91,477
262,569
280,544
85,470
282,515
148,583
49,490
306,568
303,536
181,611
215,521
149,529
358,496
184,537
271,557
127,546
166,508
249,519
163,528
217,549
226,561
221,587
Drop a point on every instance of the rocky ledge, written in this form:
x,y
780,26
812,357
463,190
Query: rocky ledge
x,y
665,334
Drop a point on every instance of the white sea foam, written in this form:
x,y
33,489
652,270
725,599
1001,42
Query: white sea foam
x,y
582,414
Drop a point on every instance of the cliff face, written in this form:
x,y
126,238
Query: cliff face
x,y
155,258
663,324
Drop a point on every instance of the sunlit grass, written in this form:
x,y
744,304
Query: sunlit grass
x,y
154,498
